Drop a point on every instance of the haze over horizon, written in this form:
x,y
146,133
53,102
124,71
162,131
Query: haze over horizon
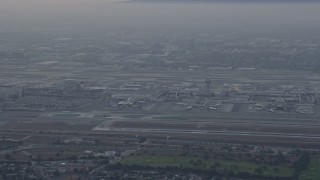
x,y
105,15
160,89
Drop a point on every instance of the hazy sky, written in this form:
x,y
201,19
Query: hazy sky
x,y
95,14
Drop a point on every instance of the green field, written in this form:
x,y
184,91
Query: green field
x,y
199,163
313,171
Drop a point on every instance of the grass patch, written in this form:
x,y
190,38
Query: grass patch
x,y
198,163
171,117
313,171
133,116
102,115
66,115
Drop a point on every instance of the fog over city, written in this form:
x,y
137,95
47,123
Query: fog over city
x,y
160,89
191,17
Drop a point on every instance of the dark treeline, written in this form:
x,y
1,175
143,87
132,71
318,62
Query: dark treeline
x,y
206,173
